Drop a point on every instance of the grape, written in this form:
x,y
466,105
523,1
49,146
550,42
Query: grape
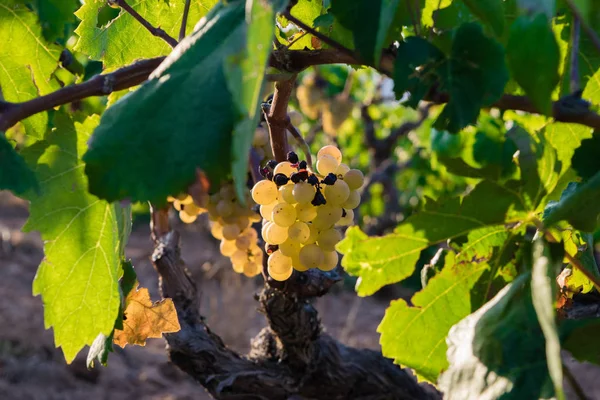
x,y
327,216
306,212
239,258
251,269
192,209
328,238
284,214
263,231
284,167
281,277
251,234
314,233
242,243
286,194
230,231
279,263
295,117
225,208
297,265
311,256
346,220
303,192
216,229
337,193
267,211
353,200
326,164
276,234
354,178
330,261
290,248
330,151
227,247
342,169
187,218
299,232
239,267
243,222
227,192
264,192
261,137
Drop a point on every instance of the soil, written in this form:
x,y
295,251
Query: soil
x,y
31,368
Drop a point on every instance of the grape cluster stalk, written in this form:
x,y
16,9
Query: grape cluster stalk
x,y
301,209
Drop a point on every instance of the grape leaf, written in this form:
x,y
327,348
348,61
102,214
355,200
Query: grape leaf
x,y
369,21
15,175
430,7
546,7
565,138
490,12
99,350
585,159
533,58
581,339
498,351
579,204
380,261
543,281
55,16
124,39
27,61
415,336
144,319
481,242
84,239
185,112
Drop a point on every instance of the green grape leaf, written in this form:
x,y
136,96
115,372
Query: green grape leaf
x,y
124,39
565,138
498,351
581,339
543,281
27,61
546,7
15,174
475,77
55,16
585,159
415,336
84,239
489,11
579,205
180,133
369,21
245,75
533,58
430,7
481,242
379,261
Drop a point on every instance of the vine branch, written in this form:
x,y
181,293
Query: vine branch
x,y
156,31
186,12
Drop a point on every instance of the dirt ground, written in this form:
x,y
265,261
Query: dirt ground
x,y
31,368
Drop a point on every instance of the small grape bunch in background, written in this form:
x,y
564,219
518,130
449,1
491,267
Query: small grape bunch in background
x,y
231,223
302,208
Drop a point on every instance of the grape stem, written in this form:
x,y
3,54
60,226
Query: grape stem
x,y
301,142
589,31
277,118
186,13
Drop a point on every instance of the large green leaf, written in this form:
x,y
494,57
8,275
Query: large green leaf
x,y
150,143
498,351
15,175
56,16
585,159
432,6
579,204
124,39
415,336
581,339
84,239
27,61
490,12
369,21
565,138
534,58
379,261
475,77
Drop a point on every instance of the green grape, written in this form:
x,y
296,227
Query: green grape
x,y
353,200
193,209
227,247
327,216
263,231
281,277
286,194
295,117
284,214
314,233
250,233
290,248
311,256
276,234
225,208
279,263
264,192
328,238
354,178
346,220
238,259
337,193
332,151
231,231
297,265
306,212
285,168
326,164
239,267
227,192
303,192
261,137
242,242
330,261
187,218
342,169
267,211
216,229
251,269
243,222
299,232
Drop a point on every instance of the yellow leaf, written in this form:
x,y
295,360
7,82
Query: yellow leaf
x,y
143,319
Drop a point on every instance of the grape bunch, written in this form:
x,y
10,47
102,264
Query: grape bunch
x,y
261,143
231,223
301,210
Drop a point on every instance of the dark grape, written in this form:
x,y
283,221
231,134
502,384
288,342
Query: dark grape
x,y
302,165
292,157
272,164
313,180
330,179
280,179
319,199
271,248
